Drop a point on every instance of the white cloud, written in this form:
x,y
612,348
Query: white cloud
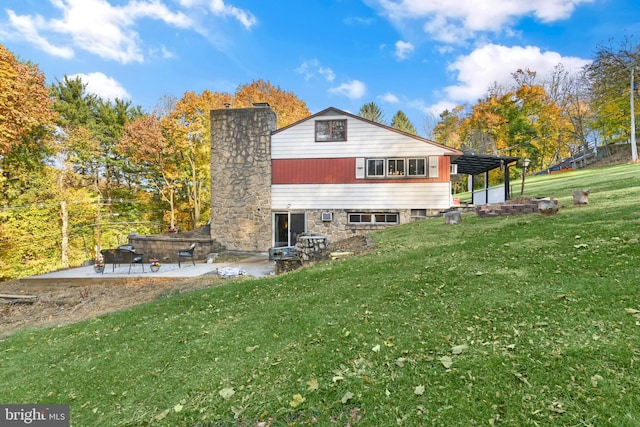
x,y
353,89
96,26
109,31
102,85
310,67
327,73
27,27
478,71
219,8
458,20
389,98
439,107
403,49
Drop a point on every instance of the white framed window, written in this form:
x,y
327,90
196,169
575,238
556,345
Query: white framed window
x,y
395,167
453,169
417,167
331,130
373,218
375,167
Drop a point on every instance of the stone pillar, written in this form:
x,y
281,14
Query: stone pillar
x,y
241,177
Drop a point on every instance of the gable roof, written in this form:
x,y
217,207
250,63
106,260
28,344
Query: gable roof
x,y
334,111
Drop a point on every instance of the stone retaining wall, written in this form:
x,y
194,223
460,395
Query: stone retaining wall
x,y
485,211
312,248
165,247
544,206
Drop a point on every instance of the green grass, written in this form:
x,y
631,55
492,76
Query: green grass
x,y
511,321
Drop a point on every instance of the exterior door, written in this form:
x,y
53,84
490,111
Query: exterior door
x,y
287,227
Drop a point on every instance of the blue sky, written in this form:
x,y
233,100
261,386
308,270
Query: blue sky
x,y
418,56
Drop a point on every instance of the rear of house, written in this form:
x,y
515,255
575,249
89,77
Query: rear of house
x,y
332,173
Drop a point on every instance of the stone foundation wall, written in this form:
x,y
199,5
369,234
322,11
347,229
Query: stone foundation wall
x,y
339,228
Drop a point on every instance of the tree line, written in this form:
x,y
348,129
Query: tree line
x,y
78,172
548,119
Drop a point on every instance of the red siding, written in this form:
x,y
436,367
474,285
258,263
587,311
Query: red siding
x,y
336,171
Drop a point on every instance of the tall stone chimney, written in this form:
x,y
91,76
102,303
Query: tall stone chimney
x,y
241,177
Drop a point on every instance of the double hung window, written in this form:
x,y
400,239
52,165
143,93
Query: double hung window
x,y
331,130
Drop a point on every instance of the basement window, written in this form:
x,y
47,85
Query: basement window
x,y
373,218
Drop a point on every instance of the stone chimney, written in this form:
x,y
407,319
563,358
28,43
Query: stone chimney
x,y
241,177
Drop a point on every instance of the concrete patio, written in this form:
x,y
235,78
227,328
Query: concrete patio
x,y
255,265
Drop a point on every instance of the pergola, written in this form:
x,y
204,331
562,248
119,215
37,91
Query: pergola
x,y
476,164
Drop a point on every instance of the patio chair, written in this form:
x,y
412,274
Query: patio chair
x,y
187,253
121,255
129,255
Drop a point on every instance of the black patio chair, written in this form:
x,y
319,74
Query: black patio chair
x,y
121,255
129,255
187,253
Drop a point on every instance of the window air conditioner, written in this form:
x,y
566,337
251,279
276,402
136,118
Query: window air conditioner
x,y
327,216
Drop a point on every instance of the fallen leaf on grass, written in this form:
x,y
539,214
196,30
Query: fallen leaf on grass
x,y
178,407
419,390
226,393
632,312
313,384
347,397
162,415
522,378
595,379
458,349
376,348
446,361
250,349
297,400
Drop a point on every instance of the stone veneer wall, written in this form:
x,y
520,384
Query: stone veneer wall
x,y
241,177
339,228
165,247
485,211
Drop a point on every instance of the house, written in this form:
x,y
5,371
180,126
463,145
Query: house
x,y
332,173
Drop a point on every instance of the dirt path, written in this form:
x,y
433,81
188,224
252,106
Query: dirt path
x,y
73,304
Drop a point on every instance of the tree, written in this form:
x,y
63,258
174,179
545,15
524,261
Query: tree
x,y
448,130
25,107
287,106
372,112
144,144
401,122
609,80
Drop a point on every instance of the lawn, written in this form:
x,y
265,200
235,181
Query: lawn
x,y
515,321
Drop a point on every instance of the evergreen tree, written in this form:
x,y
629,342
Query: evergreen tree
x,y
401,122
372,112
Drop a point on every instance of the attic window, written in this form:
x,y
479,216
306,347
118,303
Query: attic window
x,y
331,130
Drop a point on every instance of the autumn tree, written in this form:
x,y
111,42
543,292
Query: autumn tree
x,y
609,78
372,112
287,106
448,129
